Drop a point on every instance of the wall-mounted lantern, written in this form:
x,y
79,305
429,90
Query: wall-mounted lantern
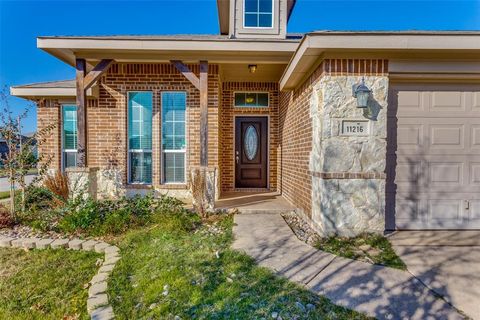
x,y
362,93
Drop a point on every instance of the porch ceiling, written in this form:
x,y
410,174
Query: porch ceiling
x,y
241,73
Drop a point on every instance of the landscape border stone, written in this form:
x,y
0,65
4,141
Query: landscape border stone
x,y
98,306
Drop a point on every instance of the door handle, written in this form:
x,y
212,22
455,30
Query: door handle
x,y
237,158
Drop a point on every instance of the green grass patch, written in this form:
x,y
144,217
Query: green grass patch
x,y
45,284
4,195
372,248
181,267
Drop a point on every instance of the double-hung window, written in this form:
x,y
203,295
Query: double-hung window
x,y
140,137
173,136
69,136
258,13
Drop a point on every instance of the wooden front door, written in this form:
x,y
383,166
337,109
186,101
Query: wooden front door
x,y
251,154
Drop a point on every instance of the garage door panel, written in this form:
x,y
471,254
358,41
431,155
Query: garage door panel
x,y
475,136
445,174
447,101
447,136
433,167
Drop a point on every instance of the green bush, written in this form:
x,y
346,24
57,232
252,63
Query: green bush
x,y
38,198
116,216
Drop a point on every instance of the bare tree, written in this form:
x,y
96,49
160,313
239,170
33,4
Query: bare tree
x,y
21,150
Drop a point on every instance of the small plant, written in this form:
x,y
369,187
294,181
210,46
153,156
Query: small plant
x,y
58,185
5,217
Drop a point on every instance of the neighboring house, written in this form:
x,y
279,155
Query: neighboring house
x,y
4,147
265,110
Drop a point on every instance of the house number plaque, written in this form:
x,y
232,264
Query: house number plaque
x,y
354,128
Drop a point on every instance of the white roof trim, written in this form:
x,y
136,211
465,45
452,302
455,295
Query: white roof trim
x,y
314,44
25,92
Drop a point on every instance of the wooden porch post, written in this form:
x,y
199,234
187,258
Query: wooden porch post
x,y
204,113
81,114
84,82
202,85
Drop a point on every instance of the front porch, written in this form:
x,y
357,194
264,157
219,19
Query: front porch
x,y
254,202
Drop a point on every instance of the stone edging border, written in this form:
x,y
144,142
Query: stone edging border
x,y
97,303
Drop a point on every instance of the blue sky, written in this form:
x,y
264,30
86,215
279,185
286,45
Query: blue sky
x,y
22,21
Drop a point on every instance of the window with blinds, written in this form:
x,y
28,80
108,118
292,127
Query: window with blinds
x,y
173,136
69,136
140,136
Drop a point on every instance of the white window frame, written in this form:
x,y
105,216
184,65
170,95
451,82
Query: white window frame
x,y
256,92
163,151
62,160
258,15
129,151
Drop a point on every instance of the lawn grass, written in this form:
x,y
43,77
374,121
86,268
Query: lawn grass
x,y
372,248
45,284
167,271
6,194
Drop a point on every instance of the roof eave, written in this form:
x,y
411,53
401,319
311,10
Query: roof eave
x,y
163,50
38,93
314,44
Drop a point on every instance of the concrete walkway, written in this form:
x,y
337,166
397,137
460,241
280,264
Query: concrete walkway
x,y
377,291
446,261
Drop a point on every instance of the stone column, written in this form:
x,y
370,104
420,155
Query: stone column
x,y
347,168
82,182
204,187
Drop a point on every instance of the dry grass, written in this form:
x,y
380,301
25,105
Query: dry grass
x,y
58,185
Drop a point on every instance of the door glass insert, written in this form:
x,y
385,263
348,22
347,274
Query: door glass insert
x,y
251,142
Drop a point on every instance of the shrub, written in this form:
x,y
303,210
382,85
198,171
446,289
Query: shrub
x,y
38,198
58,186
5,217
114,216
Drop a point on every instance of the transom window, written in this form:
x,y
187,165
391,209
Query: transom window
x,y
69,136
173,136
258,14
140,137
251,99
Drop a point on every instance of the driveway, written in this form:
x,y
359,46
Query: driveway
x,y
446,261
5,185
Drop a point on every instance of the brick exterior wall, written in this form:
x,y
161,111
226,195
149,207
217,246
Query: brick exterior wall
x,y
107,117
295,129
227,136
48,113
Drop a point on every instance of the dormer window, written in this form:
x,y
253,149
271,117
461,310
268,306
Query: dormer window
x,y
258,13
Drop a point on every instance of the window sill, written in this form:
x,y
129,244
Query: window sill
x,y
172,186
139,186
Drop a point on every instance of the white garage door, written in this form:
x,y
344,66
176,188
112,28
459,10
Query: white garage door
x,y
433,157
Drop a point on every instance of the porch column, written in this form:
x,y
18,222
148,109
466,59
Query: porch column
x,y
81,114
203,113
84,81
83,180
202,179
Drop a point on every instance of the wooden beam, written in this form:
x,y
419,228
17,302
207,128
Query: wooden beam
x,y
81,67
187,73
96,73
203,87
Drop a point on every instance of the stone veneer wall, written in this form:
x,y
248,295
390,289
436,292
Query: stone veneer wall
x,y
227,120
336,181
